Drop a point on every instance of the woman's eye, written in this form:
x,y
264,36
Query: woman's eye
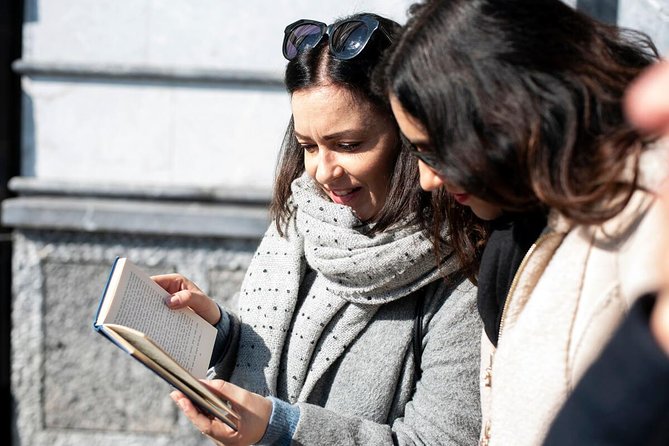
x,y
349,146
308,147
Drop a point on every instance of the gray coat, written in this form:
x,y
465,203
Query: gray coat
x,y
326,316
368,395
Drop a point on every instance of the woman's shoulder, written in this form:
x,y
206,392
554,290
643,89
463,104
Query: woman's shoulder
x,y
653,164
454,289
447,301
639,254
642,206
622,252
451,325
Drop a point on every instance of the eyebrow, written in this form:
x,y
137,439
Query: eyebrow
x,y
336,135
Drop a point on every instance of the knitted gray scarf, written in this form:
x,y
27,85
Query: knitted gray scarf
x,y
355,274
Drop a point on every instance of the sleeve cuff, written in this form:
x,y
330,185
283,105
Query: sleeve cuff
x,y
222,331
282,423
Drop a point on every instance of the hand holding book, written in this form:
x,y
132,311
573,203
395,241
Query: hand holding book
x,y
185,294
177,345
254,411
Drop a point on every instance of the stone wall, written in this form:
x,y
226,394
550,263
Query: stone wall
x,y
71,385
174,92
649,16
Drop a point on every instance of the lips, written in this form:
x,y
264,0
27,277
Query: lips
x,y
461,198
342,193
343,196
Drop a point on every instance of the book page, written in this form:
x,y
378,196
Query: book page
x,y
139,304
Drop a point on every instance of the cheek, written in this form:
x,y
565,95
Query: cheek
x,y
383,169
380,171
372,166
309,165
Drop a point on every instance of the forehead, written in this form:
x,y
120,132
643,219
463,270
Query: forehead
x,y
331,104
410,126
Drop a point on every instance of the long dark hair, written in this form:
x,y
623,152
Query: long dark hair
x,y
316,66
521,100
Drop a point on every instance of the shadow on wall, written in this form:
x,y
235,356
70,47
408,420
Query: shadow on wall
x,y
30,11
28,152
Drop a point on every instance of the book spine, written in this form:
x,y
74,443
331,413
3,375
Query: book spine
x,y
104,291
103,331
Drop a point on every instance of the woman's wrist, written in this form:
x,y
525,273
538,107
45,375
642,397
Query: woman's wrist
x,y
282,423
222,337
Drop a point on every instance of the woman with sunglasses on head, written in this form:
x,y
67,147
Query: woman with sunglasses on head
x,y
515,109
350,329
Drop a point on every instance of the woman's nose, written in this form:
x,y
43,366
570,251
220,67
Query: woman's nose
x,y
328,168
429,180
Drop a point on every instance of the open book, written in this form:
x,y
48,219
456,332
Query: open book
x,y
175,344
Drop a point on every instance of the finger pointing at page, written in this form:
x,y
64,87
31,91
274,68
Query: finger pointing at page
x,y
186,294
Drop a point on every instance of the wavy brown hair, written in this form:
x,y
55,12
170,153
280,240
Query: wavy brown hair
x,y
522,102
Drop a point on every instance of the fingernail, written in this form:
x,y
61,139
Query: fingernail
x,y
171,300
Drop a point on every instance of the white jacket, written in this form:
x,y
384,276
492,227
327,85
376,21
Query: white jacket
x,y
571,292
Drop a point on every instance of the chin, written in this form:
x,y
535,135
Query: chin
x,y
487,214
362,215
366,213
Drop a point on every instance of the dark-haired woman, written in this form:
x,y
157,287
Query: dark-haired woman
x,y
347,332
515,109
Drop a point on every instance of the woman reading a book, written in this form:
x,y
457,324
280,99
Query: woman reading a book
x,y
515,109
351,327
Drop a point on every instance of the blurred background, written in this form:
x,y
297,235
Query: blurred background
x,y
148,129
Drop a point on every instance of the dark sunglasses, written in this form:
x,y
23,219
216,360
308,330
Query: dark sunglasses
x,y
430,159
347,38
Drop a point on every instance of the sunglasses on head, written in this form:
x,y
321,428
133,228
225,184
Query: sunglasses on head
x,y
347,38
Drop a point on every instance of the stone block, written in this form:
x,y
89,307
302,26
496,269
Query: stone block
x,y
88,383
70,385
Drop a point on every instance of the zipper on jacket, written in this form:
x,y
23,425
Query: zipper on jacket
x,y
516,277
487,379
485,438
